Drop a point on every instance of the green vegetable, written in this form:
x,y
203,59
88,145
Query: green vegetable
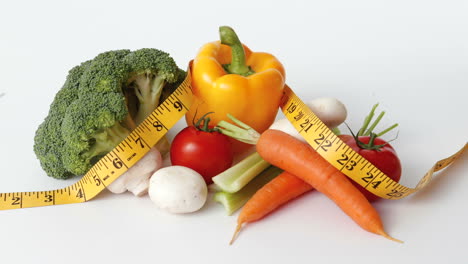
x,y
233,201
239,175
102,100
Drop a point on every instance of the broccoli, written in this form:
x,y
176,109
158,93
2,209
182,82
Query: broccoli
x,y
48,139
101,102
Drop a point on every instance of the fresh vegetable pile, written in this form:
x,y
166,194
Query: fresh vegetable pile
x,y
237,94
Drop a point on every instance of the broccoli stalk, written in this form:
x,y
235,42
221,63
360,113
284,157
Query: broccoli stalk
x,y
106,140
151,71
148,90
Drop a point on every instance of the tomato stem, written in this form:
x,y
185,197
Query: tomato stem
x,y
203,123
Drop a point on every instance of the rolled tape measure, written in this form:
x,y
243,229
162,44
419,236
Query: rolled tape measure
x,y
167,114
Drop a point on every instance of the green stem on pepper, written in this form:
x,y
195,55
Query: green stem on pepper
x,y
238,65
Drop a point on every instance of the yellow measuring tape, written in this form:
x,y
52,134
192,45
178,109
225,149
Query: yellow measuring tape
x,y
344,158
116,162
155,126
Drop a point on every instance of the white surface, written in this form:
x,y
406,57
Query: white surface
x,y
411,56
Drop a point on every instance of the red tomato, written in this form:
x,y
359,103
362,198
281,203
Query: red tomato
x,y
385,159
208,153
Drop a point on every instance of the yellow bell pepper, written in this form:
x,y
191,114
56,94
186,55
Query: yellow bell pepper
x,y
227,77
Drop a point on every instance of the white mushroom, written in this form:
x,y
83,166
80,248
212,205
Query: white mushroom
x,y
136,178
178,189
330,110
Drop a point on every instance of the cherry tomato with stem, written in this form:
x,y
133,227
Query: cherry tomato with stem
x,y
203,149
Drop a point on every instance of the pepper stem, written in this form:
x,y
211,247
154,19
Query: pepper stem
x,y
238,65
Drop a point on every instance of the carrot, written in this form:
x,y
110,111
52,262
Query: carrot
x,y
298,158
275,193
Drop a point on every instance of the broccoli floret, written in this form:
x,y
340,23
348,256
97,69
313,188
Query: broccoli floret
x,y
150,72
101,102
48,139
91,128
106,73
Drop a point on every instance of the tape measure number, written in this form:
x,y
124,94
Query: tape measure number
x,y
116,162
344,158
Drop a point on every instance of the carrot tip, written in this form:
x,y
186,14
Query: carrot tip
x,y
391,238
234,236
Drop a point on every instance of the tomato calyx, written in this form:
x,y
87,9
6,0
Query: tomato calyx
x,y
370,145
368,131
203,124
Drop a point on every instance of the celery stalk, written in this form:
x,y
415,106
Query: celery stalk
x,y
233,201
236,177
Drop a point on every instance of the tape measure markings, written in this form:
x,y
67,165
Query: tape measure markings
x,y
343,157
114,163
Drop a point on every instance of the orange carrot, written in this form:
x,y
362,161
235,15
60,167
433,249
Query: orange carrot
x,y
275,193
298,158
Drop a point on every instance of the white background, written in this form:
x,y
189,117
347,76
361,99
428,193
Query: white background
x,y
411,56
